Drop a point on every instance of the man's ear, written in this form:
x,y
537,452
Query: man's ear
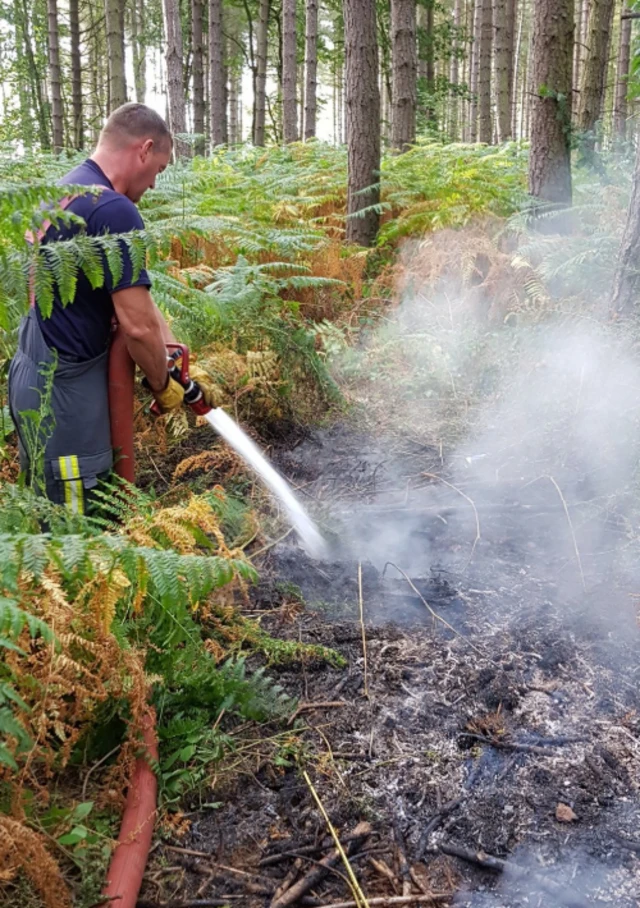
x,y
146,149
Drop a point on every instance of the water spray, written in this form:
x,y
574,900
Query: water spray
x,y
222,423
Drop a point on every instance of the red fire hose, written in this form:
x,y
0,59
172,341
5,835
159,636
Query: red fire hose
x,y
129,860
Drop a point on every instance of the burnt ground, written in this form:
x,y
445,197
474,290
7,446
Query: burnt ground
x,y
512,731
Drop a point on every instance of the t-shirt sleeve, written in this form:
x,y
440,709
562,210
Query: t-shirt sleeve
x,y
120,216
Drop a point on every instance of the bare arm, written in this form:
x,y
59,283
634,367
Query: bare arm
x,y
145,331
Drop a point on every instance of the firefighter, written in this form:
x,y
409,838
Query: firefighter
x,y
134,147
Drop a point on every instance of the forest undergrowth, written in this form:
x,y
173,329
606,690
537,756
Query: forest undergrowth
x,y
143,602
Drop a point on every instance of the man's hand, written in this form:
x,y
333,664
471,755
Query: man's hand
x,y
211,392
144,334
171,397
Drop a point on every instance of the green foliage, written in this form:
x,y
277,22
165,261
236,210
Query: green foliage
x,y
434,186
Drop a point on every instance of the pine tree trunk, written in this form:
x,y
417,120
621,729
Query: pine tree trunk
x,y
137,25
454,71
114,10
552,50
404,71
311,73
363,118
622,77
516,70
475,70
217,81
289,72
260,86
430,68
26,122
626,282
76,75
503,30
197,39
485,132
592,85
233,106
55,76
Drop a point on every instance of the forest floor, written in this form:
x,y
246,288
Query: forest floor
x,y
496,714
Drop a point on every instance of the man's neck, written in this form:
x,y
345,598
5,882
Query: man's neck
x,y
112,169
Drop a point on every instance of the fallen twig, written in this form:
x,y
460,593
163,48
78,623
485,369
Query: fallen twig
x,y
565,895
508,745
573,535
309,880
265,883
435,615
390,900
471,502
319,704
362,626
298,852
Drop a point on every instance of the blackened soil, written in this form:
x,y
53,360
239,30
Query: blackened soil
x,y
498,709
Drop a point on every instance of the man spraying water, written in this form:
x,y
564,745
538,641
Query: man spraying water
x,y
134,147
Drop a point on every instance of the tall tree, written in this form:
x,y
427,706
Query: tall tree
x,y
311,69
137,22
363,119
454,70
404,64
592,85
114,13
55,76
475,68
289,72
175,73
26,123
197,42
485,131
76,75
217,76
552,50
260,83
622,77
504,14
626,283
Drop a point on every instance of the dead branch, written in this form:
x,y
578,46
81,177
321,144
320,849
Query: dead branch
x,y
433,898
303,849
471,502
573,535
564,895
319,704
362,627
357,839
508,745
435,615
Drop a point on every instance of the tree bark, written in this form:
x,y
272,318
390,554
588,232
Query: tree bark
x,y
117,92
485,132
592,85
137,20
363,119
311,69
552,51
503,30
55,76
454,71
76,75
626,282
260,100
217,79
475,70
26,122
197,40
404,71
622,77
289,72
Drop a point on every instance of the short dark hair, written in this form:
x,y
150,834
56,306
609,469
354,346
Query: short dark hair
x,y
136,121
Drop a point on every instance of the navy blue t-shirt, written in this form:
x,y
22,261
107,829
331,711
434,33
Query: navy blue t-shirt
x,y
82,329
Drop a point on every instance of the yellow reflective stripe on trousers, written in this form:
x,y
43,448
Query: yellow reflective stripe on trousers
x,y
73,490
